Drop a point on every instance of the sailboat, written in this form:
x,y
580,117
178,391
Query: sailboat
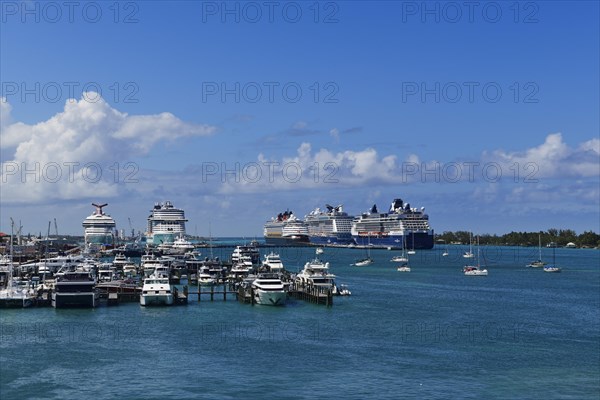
x,y
538,263
473,270
402,257
446,253
469,254
368,260
412,251
404,267
553,267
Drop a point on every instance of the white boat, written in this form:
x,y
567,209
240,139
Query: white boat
x,y
553,267
205,278
342,290
538,263
268,289
319,250
469,254
316,273
363,262
404,267
402,258
246,254
106,272
446,253
130,270
475,270
367,260
156,290
273,262
13,292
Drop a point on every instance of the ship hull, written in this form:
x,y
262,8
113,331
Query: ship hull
x,y
422,241
285,241
74,300
340,239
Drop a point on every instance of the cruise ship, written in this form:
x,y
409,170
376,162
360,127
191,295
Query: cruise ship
x,y
286,229
99,228
165,224
401,224
329,227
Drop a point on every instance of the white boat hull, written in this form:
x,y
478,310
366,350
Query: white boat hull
x,y
403,269
270,298
477,272
156,299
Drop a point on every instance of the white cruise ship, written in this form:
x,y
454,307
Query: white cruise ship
x,y
400,226
329,227
99,228
286,229
165,224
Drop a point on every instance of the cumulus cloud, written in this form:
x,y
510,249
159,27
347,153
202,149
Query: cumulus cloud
x,y
553,159
66,153
367,167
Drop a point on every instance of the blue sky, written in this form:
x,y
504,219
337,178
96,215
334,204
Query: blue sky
x,y
511,90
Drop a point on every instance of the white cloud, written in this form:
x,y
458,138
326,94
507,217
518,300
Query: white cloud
x,y
86,131
552,159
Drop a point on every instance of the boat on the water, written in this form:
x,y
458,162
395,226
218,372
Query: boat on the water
x,y
538,263
286,229
401,224
75,288
475,270
157,290
14,293
268,289
331,227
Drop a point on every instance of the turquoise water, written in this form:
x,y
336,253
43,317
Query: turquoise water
x,y
431,333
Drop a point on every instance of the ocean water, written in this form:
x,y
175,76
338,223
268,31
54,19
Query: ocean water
x,y
432,333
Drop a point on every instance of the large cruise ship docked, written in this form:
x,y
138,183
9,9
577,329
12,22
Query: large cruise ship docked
x,y
402,224
99,228
165,224
286,229
329,227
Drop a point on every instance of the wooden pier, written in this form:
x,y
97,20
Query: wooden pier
x,y
212,290
313,294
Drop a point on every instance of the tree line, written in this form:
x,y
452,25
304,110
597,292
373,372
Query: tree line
x,y
558,236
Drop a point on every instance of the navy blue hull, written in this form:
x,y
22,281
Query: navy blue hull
x,y
422,241
341,239
301,241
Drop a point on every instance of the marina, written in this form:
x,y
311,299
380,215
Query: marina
x,y
383,324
